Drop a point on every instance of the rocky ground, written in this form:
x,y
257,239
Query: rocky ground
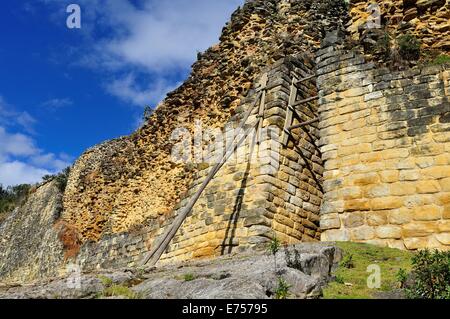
x,y
305,268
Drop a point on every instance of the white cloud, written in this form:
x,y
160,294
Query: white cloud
x,y
57,103
10,117
25,120
156,38
50,161
165,35
15,173
16,144
21,160
128,90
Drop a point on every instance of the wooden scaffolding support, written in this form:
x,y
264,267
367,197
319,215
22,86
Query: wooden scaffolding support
x,y
290,110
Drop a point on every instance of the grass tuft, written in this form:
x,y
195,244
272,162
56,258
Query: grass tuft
x,y
188,277
441,60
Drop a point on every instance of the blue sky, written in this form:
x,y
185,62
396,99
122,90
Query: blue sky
x,y
64,90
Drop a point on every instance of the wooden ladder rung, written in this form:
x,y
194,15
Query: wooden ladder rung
x,y
305,100
303,124
306,79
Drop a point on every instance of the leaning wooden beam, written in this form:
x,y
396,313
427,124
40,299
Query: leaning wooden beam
x,y
262,106
303,124
162,244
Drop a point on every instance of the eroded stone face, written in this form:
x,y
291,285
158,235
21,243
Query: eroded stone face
x,y
428,20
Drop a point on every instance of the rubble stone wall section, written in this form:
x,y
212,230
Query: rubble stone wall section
x,y
385,140
428,20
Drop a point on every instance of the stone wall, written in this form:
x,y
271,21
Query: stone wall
x,y
385,140
131,181
116,251
263,190
375,169
30,246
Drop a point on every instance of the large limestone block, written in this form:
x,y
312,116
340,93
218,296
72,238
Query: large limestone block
x,y
330,221
362,233
400,216
419,229
428,187
336,235
383,203
353,219
444,238
389,232
427,213
377,218
416,243
444,225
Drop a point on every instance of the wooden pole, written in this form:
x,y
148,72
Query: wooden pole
x,y
262,105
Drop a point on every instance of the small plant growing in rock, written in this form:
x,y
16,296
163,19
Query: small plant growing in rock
x,y
148,112
274,246
140,272
384,45
60,178
273,249
106,281
119,291
282,291
114,290
188,277
347,261
409,47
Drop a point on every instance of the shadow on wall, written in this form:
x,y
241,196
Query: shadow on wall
x,y
230,232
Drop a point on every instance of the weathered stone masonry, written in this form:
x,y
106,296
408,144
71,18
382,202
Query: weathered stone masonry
x,y
129,182
277,193
385,140
274,192
376,168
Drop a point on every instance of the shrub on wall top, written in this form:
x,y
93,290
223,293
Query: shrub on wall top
x,y
409,47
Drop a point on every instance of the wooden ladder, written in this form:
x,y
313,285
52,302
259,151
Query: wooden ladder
x,y
291,108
